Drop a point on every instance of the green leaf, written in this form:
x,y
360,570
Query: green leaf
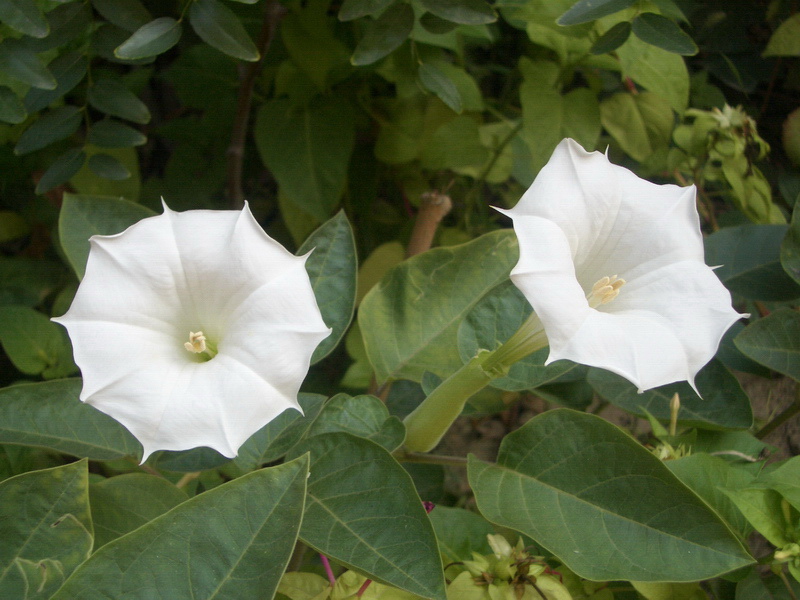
x,y
217,26
589,10
11,108
34,344
188,461
25,17
355,9
385,34
66,22
84,216
663,73
51,127
69,69
463,12
307,147
274,440
436,24
612,39
664,33
785,479
50,415
420,303
129,15
774,341
494,319
61,170
723,404
785,41
707,476
233,542
575,484
126,502
750,256
110,96
151,40
106,166
112,134
23,64
363,511
790,246
641,123
460,533
435,81
762,508
44,524
361,416
27,281
332,268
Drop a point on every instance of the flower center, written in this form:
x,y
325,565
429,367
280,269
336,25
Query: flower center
x,y
199,344
604,291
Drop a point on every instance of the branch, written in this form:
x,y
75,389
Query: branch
x,y
274,11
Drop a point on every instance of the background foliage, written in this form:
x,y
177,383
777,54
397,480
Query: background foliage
x,y
342,124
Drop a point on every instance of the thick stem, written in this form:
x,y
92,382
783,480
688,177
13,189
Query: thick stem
x,y
431,419
432,210
274,11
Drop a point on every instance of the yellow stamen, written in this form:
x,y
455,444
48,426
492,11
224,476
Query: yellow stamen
x,y
605,290
196,343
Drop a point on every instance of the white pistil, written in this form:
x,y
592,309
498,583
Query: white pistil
x,y
196,343
604,291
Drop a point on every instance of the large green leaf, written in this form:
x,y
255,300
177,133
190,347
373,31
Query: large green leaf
x,y
50,415
25,17
663,73
434,80
584,11
385,34
151,39
723,404
218,26
55,125
83,216
494,319
420,303
786,480
460,533
61,170
749,260
126,502
707,476
600,502
24,65
774,341
46,529
464,12
363,511
35,344
276,438
362,416
332,268
112,97
790,247
664,33
231,542
69,69
307,147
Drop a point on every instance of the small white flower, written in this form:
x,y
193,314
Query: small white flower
x,y
613,266
193,329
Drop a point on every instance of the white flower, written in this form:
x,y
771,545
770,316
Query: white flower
x,y
613,267
193,329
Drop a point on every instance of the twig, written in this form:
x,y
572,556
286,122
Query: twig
x,y
787,414
433,208
431,459
328,571
187,478
274,11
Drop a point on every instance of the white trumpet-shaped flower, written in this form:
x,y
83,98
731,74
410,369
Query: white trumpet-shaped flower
x,y
613,267
193,329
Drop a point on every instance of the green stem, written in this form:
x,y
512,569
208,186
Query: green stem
x,y
431,419
787,414
430,459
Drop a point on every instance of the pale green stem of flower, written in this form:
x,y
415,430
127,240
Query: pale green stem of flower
x,y
431,419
